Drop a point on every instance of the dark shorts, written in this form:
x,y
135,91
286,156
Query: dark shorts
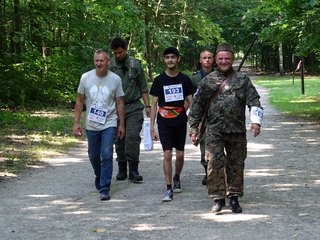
x,y
172,136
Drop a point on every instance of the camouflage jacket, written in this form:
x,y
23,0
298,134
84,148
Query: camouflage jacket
x,y
196,78
226,114
132,76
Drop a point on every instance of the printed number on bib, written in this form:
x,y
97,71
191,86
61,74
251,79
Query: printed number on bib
x,y
173,93
97,114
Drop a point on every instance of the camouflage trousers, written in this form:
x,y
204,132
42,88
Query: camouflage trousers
x,y
225,154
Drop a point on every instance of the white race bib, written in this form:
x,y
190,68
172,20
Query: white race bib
x,y
173,93
97,114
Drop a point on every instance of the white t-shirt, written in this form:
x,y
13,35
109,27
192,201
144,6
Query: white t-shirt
x,y
101,92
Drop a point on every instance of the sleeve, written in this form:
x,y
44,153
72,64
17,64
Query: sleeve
x,y
197,110
81,87
253,102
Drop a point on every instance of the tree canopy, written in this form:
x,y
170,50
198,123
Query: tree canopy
x,y
45,46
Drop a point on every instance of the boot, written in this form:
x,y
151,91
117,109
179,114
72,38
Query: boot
x,y
134,175
234,205
122,174
217,206
205,178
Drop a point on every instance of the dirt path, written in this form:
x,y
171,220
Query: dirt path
x,y
282,186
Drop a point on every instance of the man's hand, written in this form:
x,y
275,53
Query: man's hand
x,y
77,130
154,135
255,129
121,131
194,139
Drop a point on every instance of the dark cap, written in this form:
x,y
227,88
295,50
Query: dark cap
x,y
224,47
171,50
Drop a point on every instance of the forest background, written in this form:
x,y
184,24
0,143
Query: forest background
x,y
45,46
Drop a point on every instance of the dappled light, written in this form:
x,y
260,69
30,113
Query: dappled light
x,y
227,216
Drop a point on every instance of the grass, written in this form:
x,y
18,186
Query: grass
x,y
286,96
27,137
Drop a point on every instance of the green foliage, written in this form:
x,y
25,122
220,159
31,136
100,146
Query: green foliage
x,y
285,95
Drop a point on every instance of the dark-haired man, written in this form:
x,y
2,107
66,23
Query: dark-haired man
x,y
169,90
134,86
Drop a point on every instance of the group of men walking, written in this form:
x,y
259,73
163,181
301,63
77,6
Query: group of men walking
x,y
217,101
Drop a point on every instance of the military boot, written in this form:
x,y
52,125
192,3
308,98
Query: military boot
x,y
205,178
234,205
134,175
122,174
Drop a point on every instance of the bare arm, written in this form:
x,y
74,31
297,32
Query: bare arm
x,y
145,97
154,108
121,116
77,130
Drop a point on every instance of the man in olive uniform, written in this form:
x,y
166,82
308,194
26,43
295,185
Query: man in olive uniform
x,y
206,61
226,143
134,86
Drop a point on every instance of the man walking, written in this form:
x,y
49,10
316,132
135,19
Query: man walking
x,y
134,86
226,143
102,92
169,91
206,61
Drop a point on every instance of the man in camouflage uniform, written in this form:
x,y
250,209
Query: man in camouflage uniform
x,y
134,86
206,61
226,143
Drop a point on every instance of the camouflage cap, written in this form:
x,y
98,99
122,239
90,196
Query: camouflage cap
x,y
224,47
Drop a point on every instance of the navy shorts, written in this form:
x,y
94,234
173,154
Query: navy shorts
x,y
172,136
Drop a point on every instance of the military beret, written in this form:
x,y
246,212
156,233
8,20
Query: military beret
x,y
224,47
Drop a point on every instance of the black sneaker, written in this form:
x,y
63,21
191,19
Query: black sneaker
x,y
234,205
176,185
168,196
217,206
104,197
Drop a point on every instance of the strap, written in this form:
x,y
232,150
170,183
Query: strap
x,y
203,123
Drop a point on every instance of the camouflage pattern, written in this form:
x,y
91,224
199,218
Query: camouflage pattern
x,y
196,78
134,84
225,131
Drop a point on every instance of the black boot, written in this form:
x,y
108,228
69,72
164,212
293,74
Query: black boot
x,y
134,173
217,206
205,178
234,205
122,174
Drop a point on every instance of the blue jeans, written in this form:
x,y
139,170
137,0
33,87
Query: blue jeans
x,y
100,151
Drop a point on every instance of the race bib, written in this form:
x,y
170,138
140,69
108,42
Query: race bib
x,y
173,93
97,114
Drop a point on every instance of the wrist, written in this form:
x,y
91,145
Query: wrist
x,y
148,106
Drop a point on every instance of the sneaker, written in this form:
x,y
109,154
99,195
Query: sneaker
x,y
104,197
168,196
176,185
234,205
